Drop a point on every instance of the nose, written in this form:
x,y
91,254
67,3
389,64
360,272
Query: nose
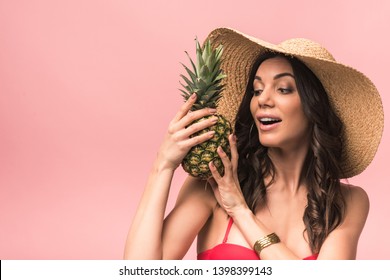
x,y
265,99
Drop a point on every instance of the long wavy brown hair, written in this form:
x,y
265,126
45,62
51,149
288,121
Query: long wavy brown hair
x,y
321,171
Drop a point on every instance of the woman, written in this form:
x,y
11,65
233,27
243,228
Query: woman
x,y
305,121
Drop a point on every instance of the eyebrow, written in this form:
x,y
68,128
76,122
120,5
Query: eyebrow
x,y
278,76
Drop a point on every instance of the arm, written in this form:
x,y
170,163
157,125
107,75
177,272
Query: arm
x,y
341,243
176,233
194,206
144,240
228,194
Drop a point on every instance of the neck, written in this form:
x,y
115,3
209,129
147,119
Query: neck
x,y
288,168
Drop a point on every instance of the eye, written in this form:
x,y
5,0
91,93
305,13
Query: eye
x,y
257,92
285,90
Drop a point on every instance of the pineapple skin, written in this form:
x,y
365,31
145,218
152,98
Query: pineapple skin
x,y
196,162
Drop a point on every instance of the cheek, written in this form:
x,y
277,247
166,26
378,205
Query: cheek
x,y
299,120
296,116
253,107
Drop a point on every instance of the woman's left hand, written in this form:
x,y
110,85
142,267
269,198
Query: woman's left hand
x,y
227,188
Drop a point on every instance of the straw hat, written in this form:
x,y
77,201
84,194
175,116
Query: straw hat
x,y
353,96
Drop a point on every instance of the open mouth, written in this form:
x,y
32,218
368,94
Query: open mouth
x,y
269,121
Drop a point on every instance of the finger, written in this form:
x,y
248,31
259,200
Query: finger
x,y
234,152
198,126
212,183
225,160
195,115
185,108
214,171
216,192
193,141
190,119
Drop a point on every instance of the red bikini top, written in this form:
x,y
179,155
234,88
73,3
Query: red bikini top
x,y
228,251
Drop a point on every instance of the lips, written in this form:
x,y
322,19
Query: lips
x,y
268,122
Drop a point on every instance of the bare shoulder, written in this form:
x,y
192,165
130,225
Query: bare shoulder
x,y
197,191
355,195
346,236
357,202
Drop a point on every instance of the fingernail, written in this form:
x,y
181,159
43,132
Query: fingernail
x,y
212,111
193,96
234,138
214,119
211,133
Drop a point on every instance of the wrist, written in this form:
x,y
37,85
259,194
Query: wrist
x,y
162,163
242,212
162,166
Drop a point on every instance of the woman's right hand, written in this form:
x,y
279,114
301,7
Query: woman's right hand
x,y
177,141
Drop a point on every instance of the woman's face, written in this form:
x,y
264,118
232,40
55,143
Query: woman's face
x,y
276,106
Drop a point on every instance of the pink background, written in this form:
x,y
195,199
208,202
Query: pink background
x,y
88,87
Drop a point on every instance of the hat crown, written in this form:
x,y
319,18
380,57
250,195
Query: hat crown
x,y
306,47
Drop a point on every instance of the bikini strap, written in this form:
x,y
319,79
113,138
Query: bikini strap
x,y
228,230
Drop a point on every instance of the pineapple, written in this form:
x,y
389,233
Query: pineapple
x,y
205,80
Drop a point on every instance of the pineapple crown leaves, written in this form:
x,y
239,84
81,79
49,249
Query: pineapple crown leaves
x,y
205,77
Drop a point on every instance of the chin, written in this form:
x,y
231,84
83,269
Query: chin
x,y
269,144
268,140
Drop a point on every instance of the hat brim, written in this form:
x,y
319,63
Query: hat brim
x,y
353,96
